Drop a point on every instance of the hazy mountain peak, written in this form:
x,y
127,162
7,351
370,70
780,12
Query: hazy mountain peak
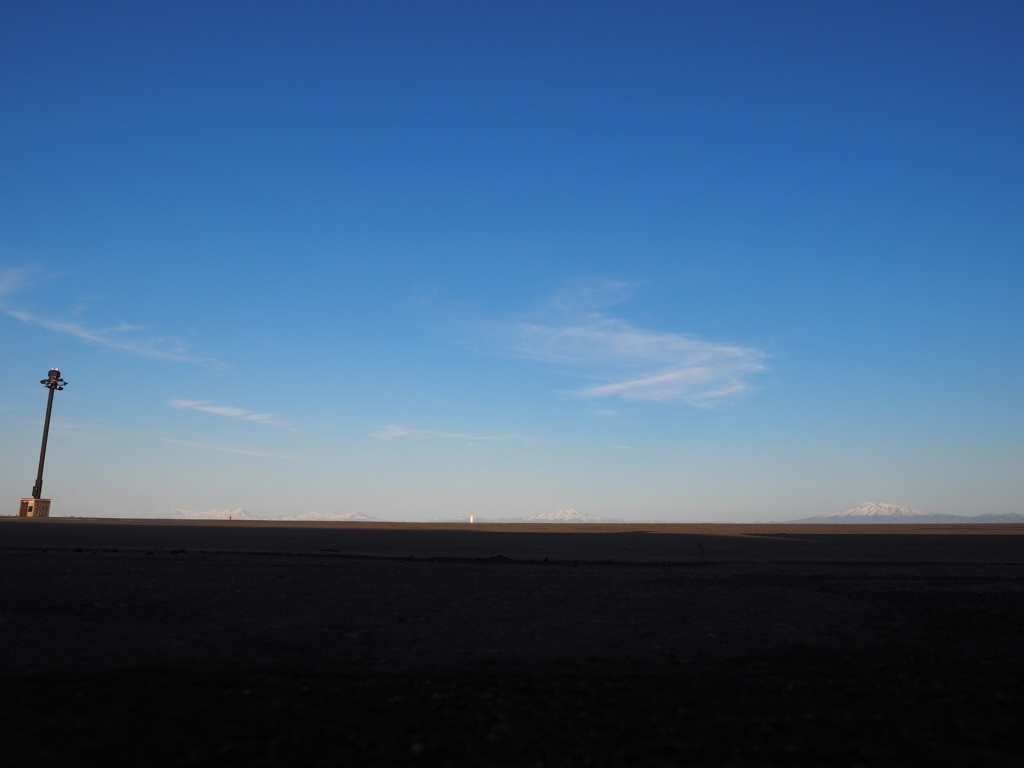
x,y
334,517
875,509
565,516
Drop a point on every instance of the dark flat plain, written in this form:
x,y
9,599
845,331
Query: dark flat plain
x,y
191,643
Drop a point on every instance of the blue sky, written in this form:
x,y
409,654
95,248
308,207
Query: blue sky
x,y
691,261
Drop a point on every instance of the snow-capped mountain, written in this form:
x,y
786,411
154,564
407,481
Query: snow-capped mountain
x,y
239,513
873,512
333,517
565,516
874,509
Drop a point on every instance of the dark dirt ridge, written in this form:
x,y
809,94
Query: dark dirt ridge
x,y
395,650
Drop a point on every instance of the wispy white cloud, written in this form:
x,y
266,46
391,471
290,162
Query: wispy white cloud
x,y
84,432
586,295
227,449
14,279
630,362
228,411
395,431
124,337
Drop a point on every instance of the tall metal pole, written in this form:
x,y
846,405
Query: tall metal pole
x,y
54,383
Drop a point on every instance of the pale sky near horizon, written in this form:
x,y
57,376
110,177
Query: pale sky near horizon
x,y
684,261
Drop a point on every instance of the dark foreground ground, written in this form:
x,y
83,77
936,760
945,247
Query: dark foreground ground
x,y
248,644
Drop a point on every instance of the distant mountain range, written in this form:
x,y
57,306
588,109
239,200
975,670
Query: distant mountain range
x,y
336,517
869,513
558,516
565,516
873,512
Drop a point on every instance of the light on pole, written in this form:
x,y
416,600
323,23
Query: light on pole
x,y
54,383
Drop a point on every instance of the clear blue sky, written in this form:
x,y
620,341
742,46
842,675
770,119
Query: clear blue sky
x,y
651,260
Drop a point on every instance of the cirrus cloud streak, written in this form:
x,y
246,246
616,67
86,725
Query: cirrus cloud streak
x,y
637,364
396,431
227,449
123,337
228,411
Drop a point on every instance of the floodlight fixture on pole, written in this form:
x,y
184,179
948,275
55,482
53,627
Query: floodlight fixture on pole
x,y
54,383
